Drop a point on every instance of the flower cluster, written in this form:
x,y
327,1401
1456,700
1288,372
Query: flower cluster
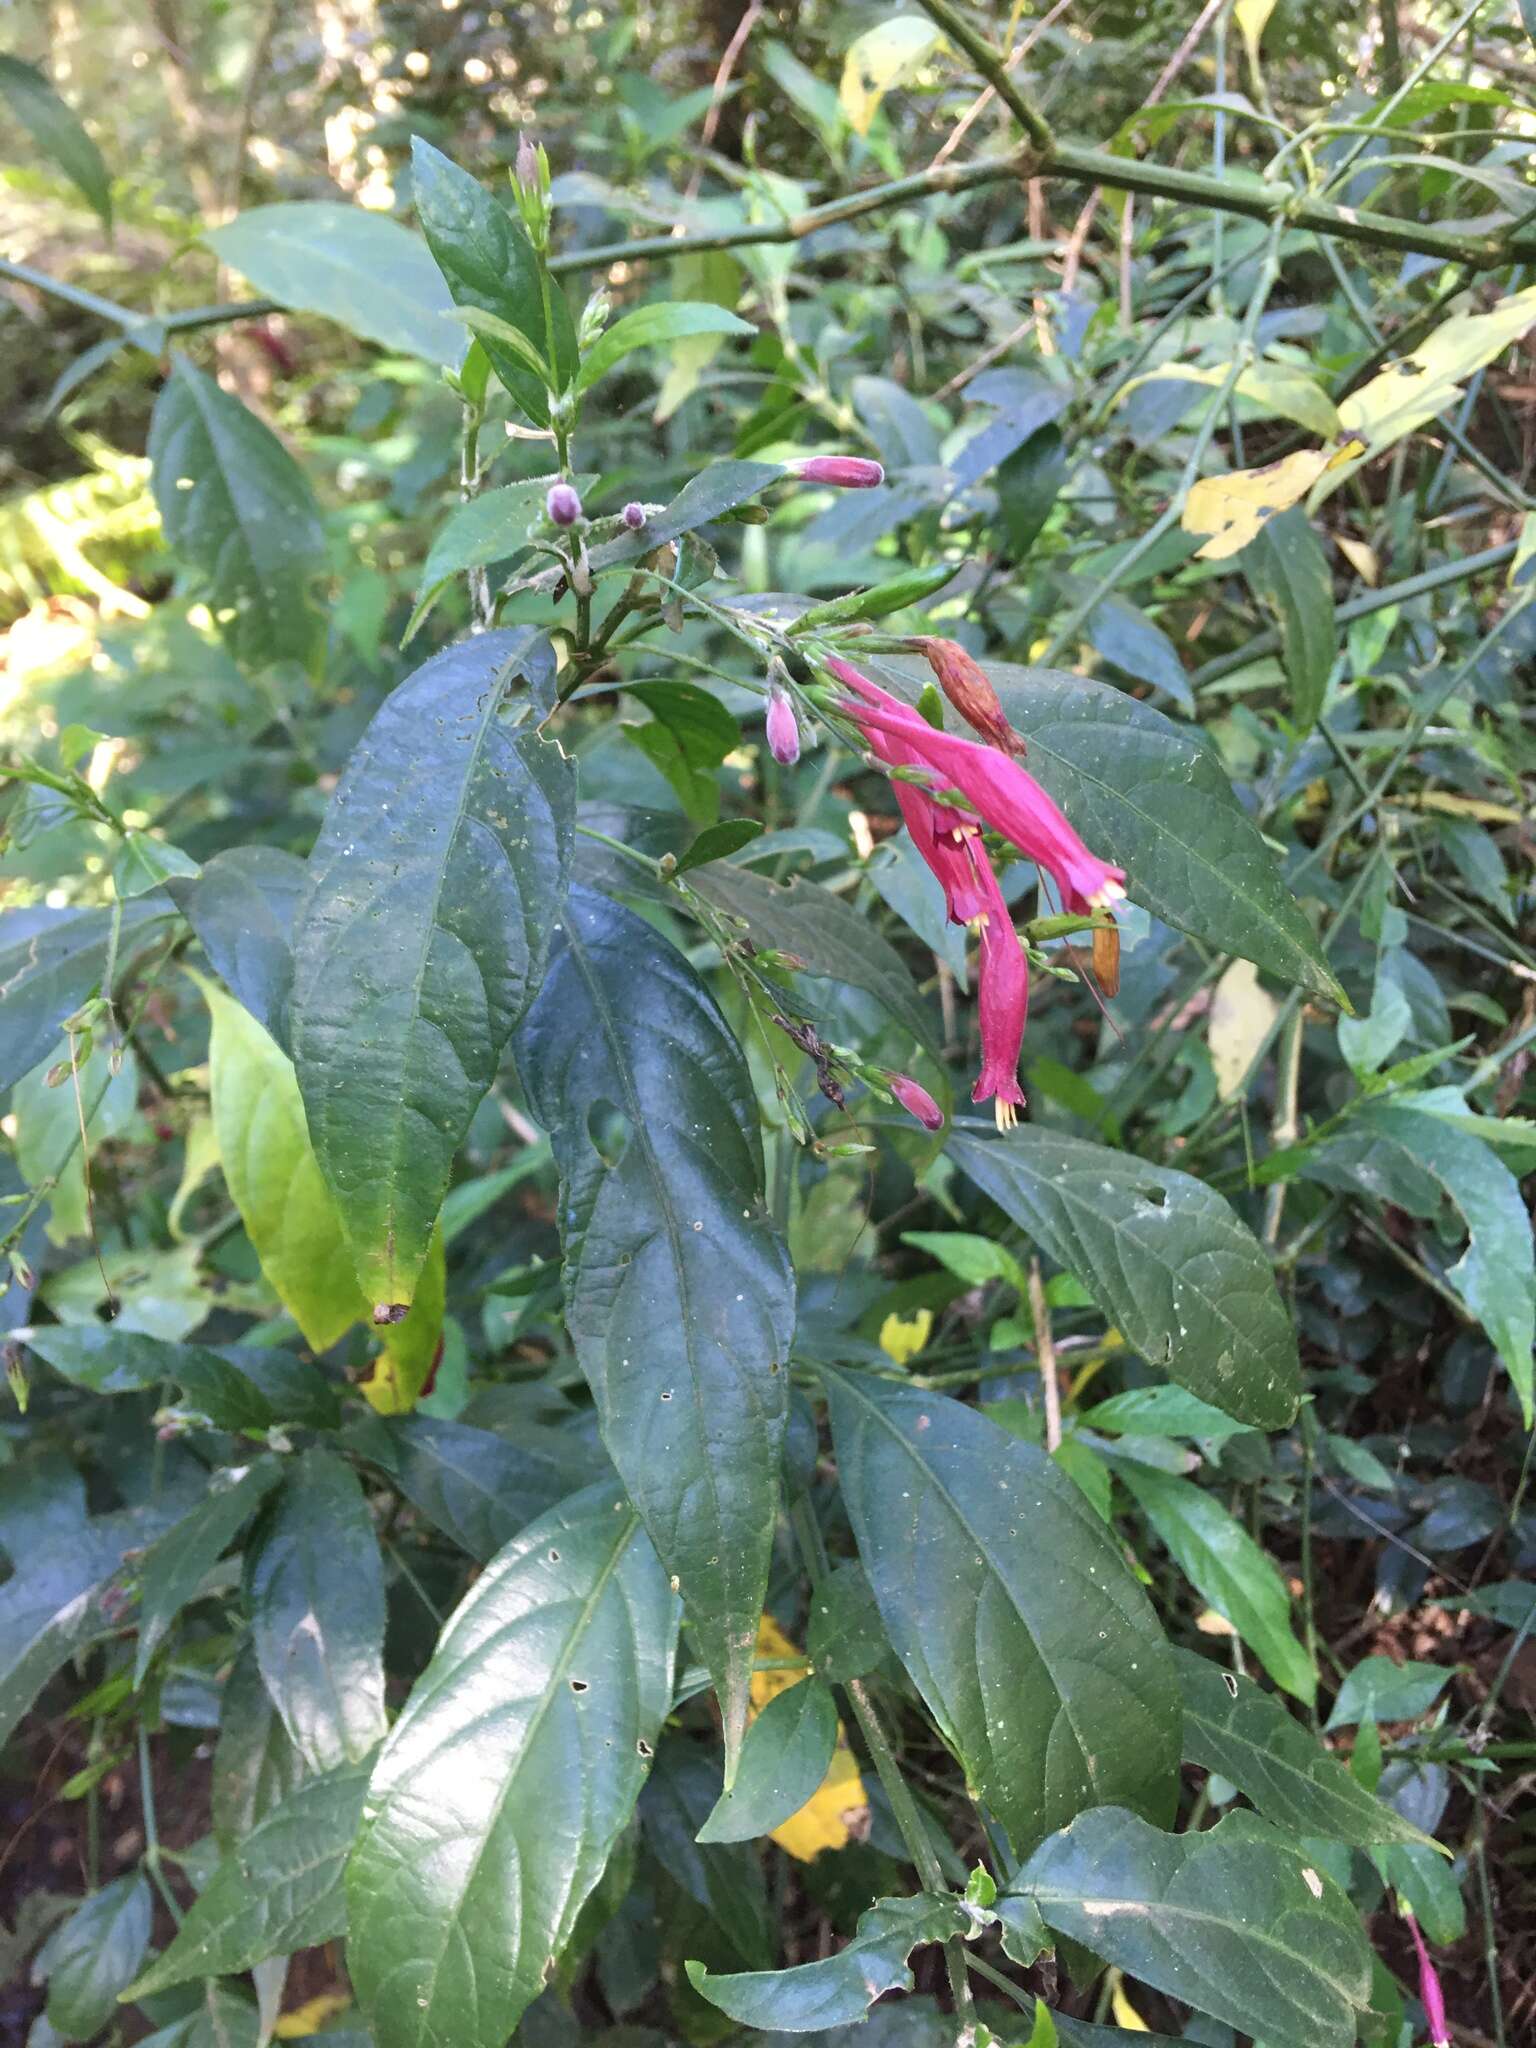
x,y
1005,797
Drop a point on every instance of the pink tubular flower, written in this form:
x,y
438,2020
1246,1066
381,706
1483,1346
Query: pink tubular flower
x,y
1431,1997
1006,796
847,472
783,732
916,1101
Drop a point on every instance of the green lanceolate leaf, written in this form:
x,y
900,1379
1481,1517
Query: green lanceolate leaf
x,y
316,1589
87,1961
1287,568
50,961
255,1766
281,1890
1226,1568
719,488
783,1762
237,1388
509,1776
242,908
829,935
1232,1727
175,1566
1007,1599
434,886
481,530
1234,1921
650,326
679,1296
490,264
239,511
360,268
56,132
841,1989
477,1487
1151,796
1164,1257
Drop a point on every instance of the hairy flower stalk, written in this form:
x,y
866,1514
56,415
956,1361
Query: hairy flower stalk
x,y
1012,803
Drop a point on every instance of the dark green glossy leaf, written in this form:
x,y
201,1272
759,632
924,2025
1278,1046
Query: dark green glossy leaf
x,y
53,1604
1152,797
1234,1921
1162,1254
1380,1689
845,1637
840,1989
1232,1727
239,511
1132,643
688,735
477,1487
360,268
255,1765
1226,1568
1286,568
176,1565
648,327
1010,1605
50,961
1028,483
481,530
87,1960
679,1297
722,1899
221,2018
316,1587
242,908
279,1891
490,264
237,1388
783,1762
720,488
829,935
56,132
435,883
508,1778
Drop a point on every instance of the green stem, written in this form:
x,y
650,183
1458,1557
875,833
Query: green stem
x,y
153,1857
990,64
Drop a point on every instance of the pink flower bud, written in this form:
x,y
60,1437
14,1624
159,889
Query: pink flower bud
x,y
563,505
1431,1997
916,1101
633,515
527,164
783,731
846,472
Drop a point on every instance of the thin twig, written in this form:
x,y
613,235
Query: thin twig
x,y
980,104
733,50
1045,1357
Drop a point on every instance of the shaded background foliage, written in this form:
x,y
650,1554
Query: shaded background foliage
x,y
1374,1559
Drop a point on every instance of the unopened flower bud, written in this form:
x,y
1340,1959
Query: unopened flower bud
x,y
916,1101
633,515
527,172
563,505
1431,1997
1106,958
966,686
783,731
845,472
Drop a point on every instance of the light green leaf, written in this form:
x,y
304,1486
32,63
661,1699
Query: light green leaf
x,y
679,1297
50,961
1160,1411
482,530
436,881
87,1960
975,1260
1162,1254
1232,1727
57,132
1234,1921
360,268
883,57
650,326
1007,1600
1226,1568
1379,1689
840,1989
508,1778
316,1587
239,511
1276,388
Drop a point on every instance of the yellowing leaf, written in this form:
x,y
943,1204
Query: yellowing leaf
x,y
838,1811
1525,548
1408,392
1361,557
311,2016
1460,806
272,1174
404,1366
1252,17
1124,2013
1277,388
1241,1015
200,1155
901,1338
882,57
1232,508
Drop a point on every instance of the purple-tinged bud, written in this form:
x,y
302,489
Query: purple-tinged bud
x,y
633,515
783,731
846,472
916,1101
563,505
1431,1997
527,164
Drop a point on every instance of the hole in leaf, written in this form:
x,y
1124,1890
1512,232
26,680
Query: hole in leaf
x,y
554,1557
610,1131
578,1685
